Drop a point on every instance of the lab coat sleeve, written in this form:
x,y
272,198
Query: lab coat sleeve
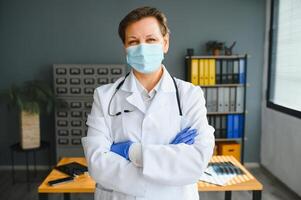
x,y
105,167
182,164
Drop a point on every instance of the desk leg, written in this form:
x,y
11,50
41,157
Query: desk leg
x,y
43,196
257,194
67,196
228,195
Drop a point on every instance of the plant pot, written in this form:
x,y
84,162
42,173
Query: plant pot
x,y
30,130
216,52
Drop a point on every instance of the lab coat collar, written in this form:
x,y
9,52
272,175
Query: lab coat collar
x,y
166,84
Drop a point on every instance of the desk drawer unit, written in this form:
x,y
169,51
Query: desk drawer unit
x,y
74,86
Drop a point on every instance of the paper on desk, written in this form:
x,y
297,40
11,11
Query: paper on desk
x,y
214,178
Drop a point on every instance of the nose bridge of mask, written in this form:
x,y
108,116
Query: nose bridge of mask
x,y
149,49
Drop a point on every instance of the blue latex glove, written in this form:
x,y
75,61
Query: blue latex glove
x,y
186,136
122,148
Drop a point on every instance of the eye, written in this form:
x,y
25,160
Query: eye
x,y
151,40
133,42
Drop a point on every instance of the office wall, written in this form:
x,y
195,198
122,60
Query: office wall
x,y
35,34
281,136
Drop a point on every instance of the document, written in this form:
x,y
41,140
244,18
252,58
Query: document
x,y
210,176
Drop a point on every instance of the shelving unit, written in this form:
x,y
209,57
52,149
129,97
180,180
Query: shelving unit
x,y
230,73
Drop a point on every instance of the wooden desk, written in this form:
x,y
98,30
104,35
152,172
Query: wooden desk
x,y
82,184
85,184
246,182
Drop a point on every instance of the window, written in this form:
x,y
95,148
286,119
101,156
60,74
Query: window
x,y
284,74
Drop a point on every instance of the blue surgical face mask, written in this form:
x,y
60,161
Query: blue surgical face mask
x,y
145,58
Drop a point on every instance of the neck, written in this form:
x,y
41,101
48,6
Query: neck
x,y
150,80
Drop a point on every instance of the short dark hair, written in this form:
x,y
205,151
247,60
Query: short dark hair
x,y
140,13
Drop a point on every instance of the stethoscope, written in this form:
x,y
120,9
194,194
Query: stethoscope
x,y
127,111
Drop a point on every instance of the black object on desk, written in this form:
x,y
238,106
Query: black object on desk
x,y
60,181
17,148
72,169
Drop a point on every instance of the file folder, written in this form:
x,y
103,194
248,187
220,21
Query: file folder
x,y
224,71
214,100
232,99
239,99
217,126
206,72
230,71
230,126
241,125
226,99
235,71
201,72
209,99
221,99
218,71
211,63
242,71
236,126
224,126
193,72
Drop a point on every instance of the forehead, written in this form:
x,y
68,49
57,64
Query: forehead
x,y
143,27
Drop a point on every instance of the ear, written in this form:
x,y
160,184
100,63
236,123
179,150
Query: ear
x,y
166,43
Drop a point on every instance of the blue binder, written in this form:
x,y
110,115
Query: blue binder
x,y
236,126
241,125
230,126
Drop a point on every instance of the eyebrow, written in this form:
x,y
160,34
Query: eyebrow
x,y
151,35
133,37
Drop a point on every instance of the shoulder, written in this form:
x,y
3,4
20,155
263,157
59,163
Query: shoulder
x,y
106,91
187,89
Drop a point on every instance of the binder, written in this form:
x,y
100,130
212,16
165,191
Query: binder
x,y
217,126
229,126
236,126
214,100
224,126
242,76
241,125
193,72
226,99
218,72
201,72
235,71
239,99
205,94
229,71
224,72
214,123
209,120
206,72
220,99
209,100
211,63
232,99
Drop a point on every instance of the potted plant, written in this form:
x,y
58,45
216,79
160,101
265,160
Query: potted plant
x,y
32,98
214,47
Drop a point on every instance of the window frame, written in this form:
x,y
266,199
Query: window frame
x,y
269,103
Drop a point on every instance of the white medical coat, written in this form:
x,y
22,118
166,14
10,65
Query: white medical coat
x,y
169,171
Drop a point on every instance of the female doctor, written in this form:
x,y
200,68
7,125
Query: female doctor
x,y
148,135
